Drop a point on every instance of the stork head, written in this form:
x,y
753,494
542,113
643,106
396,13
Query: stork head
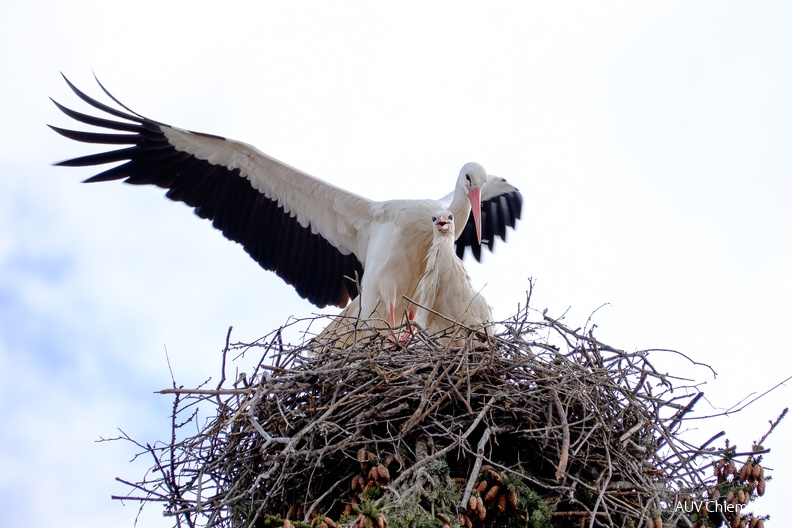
x,y
473,177
443,222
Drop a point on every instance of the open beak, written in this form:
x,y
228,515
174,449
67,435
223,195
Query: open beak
x,y
475,207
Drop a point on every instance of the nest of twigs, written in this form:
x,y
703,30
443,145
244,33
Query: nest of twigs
x,y
539,426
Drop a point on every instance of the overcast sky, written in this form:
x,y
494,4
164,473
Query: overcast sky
x,y
651,142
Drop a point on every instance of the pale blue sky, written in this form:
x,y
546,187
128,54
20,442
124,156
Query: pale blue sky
x,y
651,141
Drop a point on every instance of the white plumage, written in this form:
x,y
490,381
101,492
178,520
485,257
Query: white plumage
x,y
445,294
317,237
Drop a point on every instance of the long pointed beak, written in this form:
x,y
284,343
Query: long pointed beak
x,y
475,207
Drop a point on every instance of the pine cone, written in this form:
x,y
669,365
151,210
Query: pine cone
x,y
497,477
512,498
502,501
492,494
482,487
384,474
481,511
746,470
760,487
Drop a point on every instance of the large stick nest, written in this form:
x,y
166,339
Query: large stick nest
x,y
538,426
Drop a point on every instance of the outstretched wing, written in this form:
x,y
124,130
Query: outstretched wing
x,y
310,233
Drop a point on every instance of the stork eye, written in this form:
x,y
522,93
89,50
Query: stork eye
x,y
468,177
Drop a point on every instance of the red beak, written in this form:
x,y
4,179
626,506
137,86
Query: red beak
x,y
475,208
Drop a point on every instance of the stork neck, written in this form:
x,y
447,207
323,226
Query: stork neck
x,y
460,208
447,240
443,244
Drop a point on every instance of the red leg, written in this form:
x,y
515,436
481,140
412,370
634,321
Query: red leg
x,y
392,314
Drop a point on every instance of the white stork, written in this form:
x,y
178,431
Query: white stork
x,y
445,288
315,236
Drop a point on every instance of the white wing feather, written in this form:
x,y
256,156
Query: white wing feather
x,y
341,217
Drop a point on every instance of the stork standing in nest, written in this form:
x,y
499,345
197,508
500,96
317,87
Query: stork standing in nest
x,y
445,294
317,237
